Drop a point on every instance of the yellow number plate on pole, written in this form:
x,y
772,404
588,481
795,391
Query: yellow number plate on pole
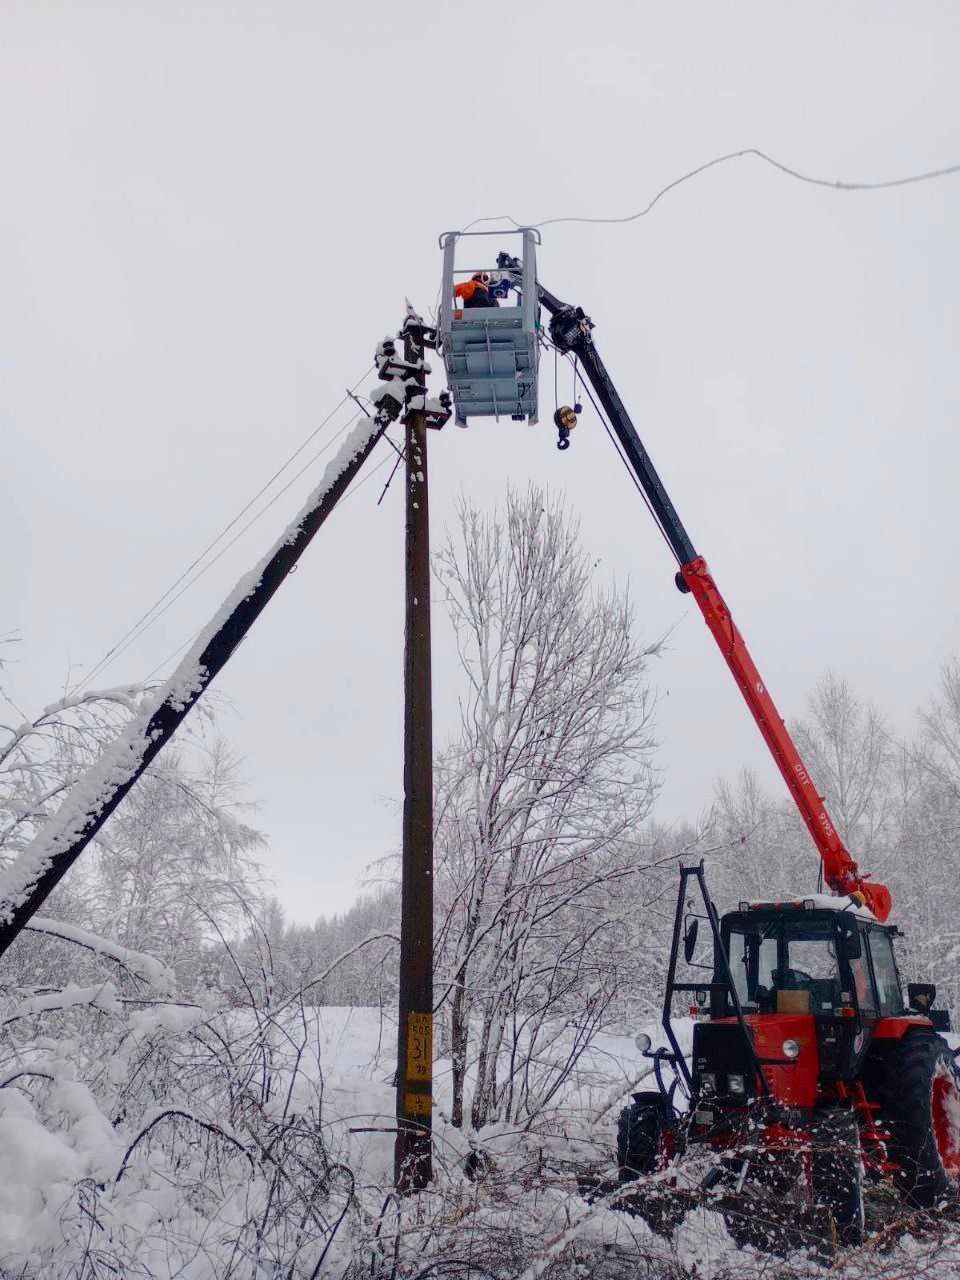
x,y
420,1046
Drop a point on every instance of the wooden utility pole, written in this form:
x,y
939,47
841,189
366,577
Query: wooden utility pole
x,y
413,1168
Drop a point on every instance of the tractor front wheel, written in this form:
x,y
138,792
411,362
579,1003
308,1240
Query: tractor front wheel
x,y
923,1106
639,1136
837,1174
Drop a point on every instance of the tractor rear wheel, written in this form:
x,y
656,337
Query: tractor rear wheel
x,y
923,1107
837,1174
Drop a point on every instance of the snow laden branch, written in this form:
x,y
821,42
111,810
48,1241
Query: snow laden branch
x,y
137,963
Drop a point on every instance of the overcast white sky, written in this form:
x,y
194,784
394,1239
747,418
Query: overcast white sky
x,y
212,212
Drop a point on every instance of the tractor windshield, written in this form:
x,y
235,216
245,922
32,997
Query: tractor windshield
x,y
786,965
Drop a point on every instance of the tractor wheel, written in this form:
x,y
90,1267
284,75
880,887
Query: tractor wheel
x,y
837,1174
638,1135
749,1229
923,1107
762,1214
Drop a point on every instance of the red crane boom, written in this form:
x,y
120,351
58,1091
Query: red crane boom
x,y
570,329
840,871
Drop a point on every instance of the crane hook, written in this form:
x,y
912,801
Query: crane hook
x,y
565,420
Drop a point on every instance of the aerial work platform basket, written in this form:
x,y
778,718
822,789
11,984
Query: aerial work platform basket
x,y
491,353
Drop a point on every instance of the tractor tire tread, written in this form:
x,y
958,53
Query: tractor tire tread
x,y
921,1178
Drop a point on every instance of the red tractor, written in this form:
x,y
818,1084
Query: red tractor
x,y
810,1072
810,1069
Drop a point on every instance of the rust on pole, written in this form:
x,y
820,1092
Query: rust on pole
x,y
413,1168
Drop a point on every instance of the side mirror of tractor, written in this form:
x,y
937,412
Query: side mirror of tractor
x,y
690,939
921,995
920,998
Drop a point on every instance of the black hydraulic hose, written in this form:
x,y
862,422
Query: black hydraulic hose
x,y
570,330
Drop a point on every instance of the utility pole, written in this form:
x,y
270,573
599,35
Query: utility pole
x,y
413,1165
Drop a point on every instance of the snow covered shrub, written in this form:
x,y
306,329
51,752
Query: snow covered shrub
x,y
146,1129
141,1134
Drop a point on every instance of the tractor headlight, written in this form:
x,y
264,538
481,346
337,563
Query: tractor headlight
x,y
791,1050
708,1085
735,1082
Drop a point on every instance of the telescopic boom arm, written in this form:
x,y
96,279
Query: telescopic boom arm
x,y
571,331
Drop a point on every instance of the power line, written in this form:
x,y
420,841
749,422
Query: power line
x,y
119,649
141,625
357,484
834,184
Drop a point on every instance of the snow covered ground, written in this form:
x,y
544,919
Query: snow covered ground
x,y
357,1056
357,1053
84,1196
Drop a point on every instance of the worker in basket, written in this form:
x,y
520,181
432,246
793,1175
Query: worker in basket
x,y
482,290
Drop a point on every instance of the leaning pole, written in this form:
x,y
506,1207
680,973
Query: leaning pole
x,y
27,882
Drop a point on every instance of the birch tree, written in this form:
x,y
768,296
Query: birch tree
x,y
540,801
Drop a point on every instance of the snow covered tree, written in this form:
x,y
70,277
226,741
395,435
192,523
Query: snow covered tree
x,y
766,851
539,802
43,757
176,866
923,859
847,746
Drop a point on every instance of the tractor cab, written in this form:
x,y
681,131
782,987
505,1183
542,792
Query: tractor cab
x,y
490,327
805,983
805,996
821,955
803,1000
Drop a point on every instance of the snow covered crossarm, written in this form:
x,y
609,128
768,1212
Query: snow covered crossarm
x,y
27,881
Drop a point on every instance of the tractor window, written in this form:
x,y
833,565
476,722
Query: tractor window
x,y
814,957
862,985
786,955
768,954
740,964
809,962
753,964
885,971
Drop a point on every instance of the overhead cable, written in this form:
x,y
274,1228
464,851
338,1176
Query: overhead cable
x,y
146,619
357,484
834,184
